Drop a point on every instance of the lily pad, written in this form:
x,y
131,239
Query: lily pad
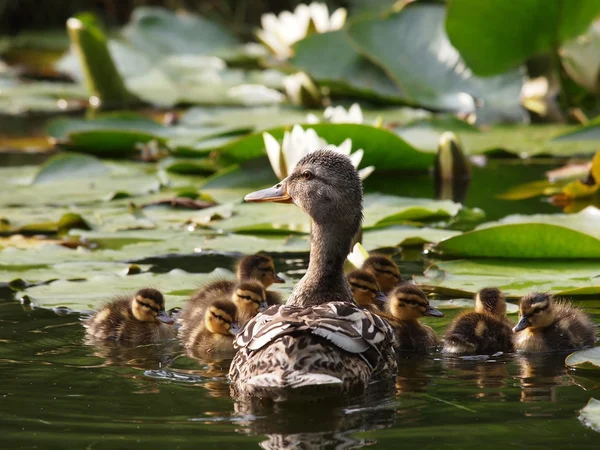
x,y
69,166
413,49
590,415
536,236
383,149
513,31
514,277
588,359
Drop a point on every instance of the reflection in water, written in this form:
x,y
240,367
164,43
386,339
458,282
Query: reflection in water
x,y
540,374
415,372
140,357
489,374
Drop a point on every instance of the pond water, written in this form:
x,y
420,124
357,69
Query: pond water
x,y
58,392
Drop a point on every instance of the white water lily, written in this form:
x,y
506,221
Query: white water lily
x,y
339,114
358,256
299,143
279,33
302,90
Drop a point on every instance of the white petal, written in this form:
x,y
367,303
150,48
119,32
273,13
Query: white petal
x,y
311,118
320,16
356,157
358,256
274,153
338,19
364,173
269,22
345,147
355,114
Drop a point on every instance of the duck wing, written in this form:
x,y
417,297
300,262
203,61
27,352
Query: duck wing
x,y
345,325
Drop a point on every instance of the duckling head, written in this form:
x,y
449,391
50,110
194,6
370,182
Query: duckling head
x,y
148,305
365,288
258,267
535,312
408,302
249,297
221,318
491,301
384,270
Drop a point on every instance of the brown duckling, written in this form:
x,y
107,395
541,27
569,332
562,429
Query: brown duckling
x,y
248,297
261,268
483,331
384,270
407,304
212,332
549,325
366,291
137,320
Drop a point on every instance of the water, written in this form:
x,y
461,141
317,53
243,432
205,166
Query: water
x,y
58,392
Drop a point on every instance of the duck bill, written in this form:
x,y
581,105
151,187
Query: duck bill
x,y
381,297
278,279
522,324
234,329
276,194
262,306
164,318
433,312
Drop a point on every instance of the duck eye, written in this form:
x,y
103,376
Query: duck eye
x,y
308,175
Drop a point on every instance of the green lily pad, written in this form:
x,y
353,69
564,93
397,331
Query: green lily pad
x,y
588,359
513,31
412,47
587,132
69,166
537,236
515,277
331,60
158,31
383,149
590,415
399,236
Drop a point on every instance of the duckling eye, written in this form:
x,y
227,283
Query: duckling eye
x,y
308,175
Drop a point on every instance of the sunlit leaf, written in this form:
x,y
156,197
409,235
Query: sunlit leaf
x,y
590,415
588,359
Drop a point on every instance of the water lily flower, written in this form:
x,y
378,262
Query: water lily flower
x,y
302,90
299,143
358,256
339,114
279,33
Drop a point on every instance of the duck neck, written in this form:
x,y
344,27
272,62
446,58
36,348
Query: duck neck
x,y
324,280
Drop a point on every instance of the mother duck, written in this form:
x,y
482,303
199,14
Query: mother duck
x,y
320,343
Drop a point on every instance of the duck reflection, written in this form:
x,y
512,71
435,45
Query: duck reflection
x,y
321,425
540,374
415,372
141,357
489,374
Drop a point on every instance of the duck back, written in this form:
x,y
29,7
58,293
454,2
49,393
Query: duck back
x,y
478,333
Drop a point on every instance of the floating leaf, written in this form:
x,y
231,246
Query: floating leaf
x,y
412,48
514,277
588,359
69,166
536,236
512,31
383,149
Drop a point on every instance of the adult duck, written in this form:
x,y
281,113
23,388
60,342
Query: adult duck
x,y
320,343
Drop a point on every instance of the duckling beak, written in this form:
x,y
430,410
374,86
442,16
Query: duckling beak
x,y
381,297
262,306
164,317
278,279
433,312
523,323
234,328
276,194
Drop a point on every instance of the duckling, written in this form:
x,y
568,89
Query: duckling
x,y
248,297
406,305
548,325
320,343
366,290
212,332
384,270
483,331
137,320
261,268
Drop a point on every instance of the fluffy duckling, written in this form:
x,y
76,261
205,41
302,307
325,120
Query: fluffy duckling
x,y
261,268
248,297
137,320
548,325
366,291
212,332
406,305
385,271
483,331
